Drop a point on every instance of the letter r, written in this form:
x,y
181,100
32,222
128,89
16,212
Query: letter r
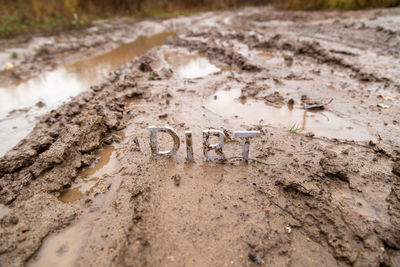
x,y
216,147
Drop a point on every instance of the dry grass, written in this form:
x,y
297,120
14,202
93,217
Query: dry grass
x,y
340,4
27,16
50,16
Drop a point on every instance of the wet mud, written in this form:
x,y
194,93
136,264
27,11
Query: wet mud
x,y
321,186
24,101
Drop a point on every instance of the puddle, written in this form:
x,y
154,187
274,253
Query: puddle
x,y
264,53
321,123
372,205
190,66
93,69
88,178
63,248
260,56
54,87
5,76
394,257
3,210
50,88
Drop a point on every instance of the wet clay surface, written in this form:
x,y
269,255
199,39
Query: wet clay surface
x,y
24,101
322,183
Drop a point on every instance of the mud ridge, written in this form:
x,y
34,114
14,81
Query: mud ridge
x,y
48,159
350,242
316,51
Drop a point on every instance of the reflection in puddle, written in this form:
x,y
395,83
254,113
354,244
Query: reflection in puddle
x,y
190,66
88,177
264,53
3,210
394,257
63,248
227,104
6,76
56,86
261,56
14,129
94,68
50,88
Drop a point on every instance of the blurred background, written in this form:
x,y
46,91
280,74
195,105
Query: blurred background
x,y
49,16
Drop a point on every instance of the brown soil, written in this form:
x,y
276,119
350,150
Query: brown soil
x,y
322,186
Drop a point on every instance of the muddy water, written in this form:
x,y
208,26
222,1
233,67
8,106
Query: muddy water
x,y
53,87
371,204
322,123
228,105
62,249
190,66
93,69
88,178
50,87
3,210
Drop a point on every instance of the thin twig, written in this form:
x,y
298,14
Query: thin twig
x,y
256,160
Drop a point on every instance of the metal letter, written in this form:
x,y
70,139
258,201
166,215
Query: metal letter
x,y
216,147
189,146
153,141
244,136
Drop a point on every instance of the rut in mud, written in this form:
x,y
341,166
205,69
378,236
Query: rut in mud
x,y
322,184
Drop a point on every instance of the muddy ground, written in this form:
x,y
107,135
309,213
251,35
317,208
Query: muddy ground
x,y
322,186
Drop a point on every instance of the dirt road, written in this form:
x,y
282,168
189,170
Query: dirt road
x,y
322,186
